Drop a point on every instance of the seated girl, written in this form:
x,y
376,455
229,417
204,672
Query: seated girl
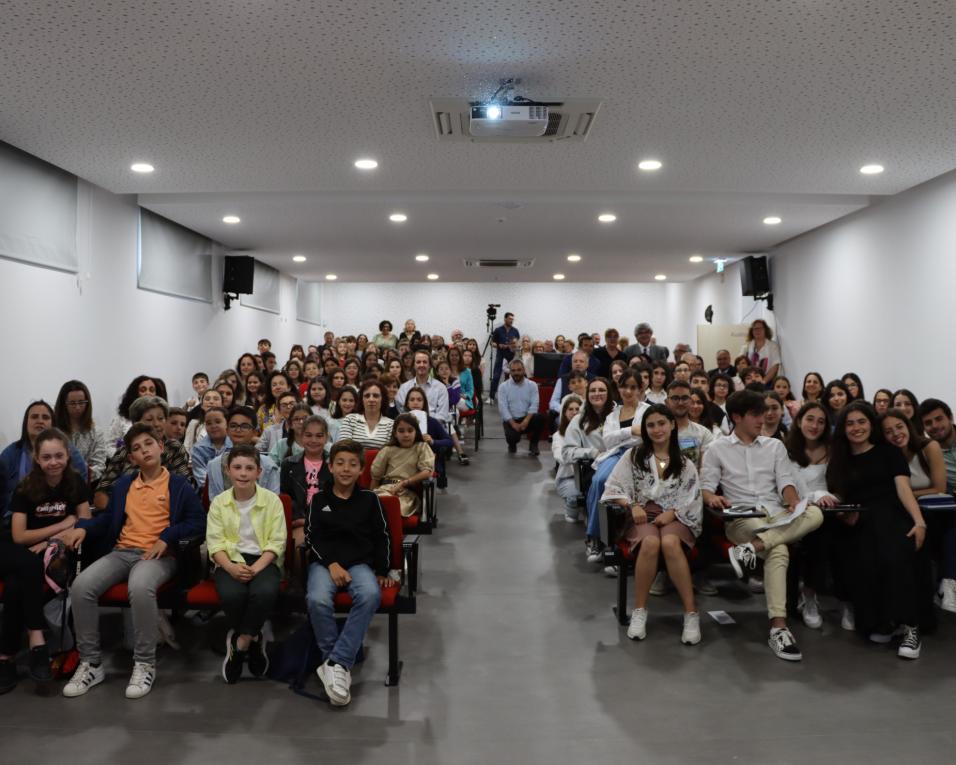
x,y
660,488
303,474
291,442
403,464
246,539
887,536
435,434
73,414
45,504
212,444
564,476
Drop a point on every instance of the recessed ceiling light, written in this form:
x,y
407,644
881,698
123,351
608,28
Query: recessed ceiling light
x,y
696,259
772,220
366,164
141,167
558,277
432,277
574,257
331,277
398,217
299,258
607,217
231,219
421,257
660,277
871,169
650,164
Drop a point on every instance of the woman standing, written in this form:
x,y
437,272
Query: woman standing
x,y
761,351
385,339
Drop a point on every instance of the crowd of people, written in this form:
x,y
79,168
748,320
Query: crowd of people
x,y
122,496
819,485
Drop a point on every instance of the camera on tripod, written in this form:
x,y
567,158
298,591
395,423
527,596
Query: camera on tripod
x,y
493,310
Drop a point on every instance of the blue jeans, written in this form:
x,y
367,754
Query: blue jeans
x,y
595,491
366,596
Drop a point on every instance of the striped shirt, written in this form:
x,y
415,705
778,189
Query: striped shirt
x,y
354,426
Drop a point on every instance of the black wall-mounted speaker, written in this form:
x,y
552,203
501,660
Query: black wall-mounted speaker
x,y
238,274
754,276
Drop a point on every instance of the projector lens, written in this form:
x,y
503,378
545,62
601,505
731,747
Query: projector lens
x,y
493,112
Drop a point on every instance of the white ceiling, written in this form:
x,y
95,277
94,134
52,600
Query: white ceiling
x,y
260,108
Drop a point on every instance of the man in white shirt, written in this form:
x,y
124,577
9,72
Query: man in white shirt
x,y
435,392
755,471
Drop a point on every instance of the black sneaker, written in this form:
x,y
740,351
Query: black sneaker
x,y
512,448
39,665
911,644
8,676
463,458
533,450
743,558
232,664
782,643
258,659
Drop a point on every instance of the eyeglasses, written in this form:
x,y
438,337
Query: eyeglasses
x,y
241,426
77,403
679,399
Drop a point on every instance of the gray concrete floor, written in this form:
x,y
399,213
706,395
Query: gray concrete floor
x,y
515,656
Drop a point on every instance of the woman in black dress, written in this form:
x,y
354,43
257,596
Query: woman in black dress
x,y
888,531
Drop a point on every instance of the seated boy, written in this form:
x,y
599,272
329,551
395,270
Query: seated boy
x,y
348,543
754,470
242,429
149,512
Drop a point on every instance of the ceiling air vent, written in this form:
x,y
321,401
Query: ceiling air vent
x,y
499,263
570,119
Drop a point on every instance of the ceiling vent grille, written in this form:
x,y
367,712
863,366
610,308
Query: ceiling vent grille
x,y
499,263
568,120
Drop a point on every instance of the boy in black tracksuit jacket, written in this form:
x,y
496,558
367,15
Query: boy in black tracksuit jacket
x,y
349,545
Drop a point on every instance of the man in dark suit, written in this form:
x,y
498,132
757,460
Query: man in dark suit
x,y
725,365
643,347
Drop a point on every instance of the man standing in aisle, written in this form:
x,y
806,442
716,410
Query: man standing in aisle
x,y
504,340
518,406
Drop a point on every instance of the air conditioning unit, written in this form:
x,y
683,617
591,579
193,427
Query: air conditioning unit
x,y
458,119
498,263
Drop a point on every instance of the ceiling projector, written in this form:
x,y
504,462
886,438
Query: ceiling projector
x,y
508,120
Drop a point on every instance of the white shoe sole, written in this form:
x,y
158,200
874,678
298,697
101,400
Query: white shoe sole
x,y
92,685
906,653
335,699
735,563
635,636
137,694
813,624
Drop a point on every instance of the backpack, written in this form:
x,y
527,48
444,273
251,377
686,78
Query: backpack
x,y
296,658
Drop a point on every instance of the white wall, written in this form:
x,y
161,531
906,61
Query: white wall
x,y
873,293
541,310
103,330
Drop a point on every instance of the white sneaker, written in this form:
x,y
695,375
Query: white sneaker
x,y
594,550
167,634
85,677
947,595
743,558
611,572
703,585
810,611
571,515
337,681
637,629
848,620
141,681
782,643
691,633
660,584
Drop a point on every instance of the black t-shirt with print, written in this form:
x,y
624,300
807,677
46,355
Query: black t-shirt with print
x,y
57,503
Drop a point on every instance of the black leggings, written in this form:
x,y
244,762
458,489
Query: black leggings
x,y
22,575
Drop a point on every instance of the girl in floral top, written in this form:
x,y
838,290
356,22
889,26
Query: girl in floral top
x,y
661,491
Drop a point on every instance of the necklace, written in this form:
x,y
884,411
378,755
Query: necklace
x,y
662,461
